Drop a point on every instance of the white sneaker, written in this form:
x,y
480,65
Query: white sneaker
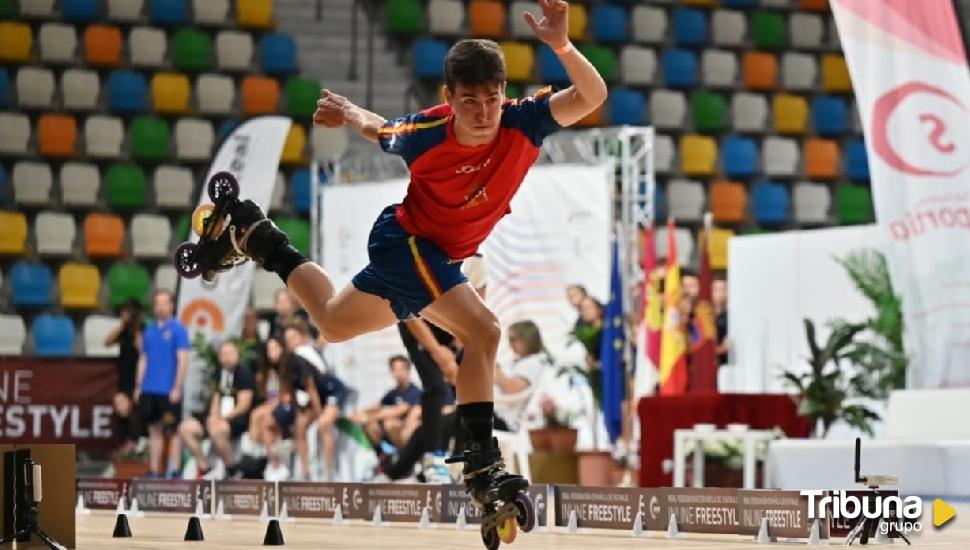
x,y
278,472
436,470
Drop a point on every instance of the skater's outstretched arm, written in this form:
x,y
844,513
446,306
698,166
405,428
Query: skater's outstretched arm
x,y
335,110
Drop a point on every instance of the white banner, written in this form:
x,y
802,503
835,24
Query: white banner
x,y
557,234
909,71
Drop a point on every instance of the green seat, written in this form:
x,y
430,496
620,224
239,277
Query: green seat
x,y
768,30
301,96
603,59
298,231
182,228
405,16
513,91
6,8
128,281
853,204
125,186
149,138
710,112
193,50
755,230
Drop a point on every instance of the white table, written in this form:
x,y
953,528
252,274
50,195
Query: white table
x,y
749,438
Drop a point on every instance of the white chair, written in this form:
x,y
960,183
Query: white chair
x,y
80,89
32,182
95,329
667,109
663,153
35,87
812,202
833,35
54,233
166,277
146,46
193,139
329,143
150,236
234,50
79,184
125,10
719,68
210,12
173,187
749,112
798,71
37,8
805,30
279,192
265,285
521,29
216,94
445,17
776,3
728,28
649,24
13,332
57,42
103,136
685,200
15,134
683,240
779,156
638,65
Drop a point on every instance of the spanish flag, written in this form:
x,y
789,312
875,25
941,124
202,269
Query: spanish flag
x,y
673,340
652,317
703,353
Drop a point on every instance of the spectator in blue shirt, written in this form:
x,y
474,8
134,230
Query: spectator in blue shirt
x,y
398,413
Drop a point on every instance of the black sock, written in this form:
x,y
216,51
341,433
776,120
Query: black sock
x,y
124,431
283,260
477,420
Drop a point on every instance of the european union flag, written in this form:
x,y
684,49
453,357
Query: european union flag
x,y
611,352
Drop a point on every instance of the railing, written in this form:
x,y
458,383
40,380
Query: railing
x,y
369,8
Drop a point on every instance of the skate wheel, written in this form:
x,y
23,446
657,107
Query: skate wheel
x,y
222,184
200,215
490,538
507,530
183,261
525,512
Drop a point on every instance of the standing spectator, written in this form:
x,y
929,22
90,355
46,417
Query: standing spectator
x,y
590,331
576,293
719,298
128,337
161,373
398,413
690,285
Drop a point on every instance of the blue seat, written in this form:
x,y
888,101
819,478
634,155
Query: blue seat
x,y
226,128
4,188
659,208
739,3
690,27
169,12
550,68
31,284
300,189
277,53
771,203
609,23
739,157
856,161
127,92
53,335
627,106
6,90
82,11
429,58
680,68
830,115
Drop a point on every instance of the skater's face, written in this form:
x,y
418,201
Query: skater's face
x,y
478,112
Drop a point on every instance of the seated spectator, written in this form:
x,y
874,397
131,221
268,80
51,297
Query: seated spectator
x,y
272,420
398,413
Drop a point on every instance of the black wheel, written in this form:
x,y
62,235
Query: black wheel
x,y
222,184
525,512
183,261
490,538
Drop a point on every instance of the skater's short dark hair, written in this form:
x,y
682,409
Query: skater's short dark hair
x,y
474,62
298,325
398,358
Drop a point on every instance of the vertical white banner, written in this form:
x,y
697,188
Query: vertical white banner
x,y
909,71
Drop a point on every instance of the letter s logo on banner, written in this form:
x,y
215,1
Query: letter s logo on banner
x,y
919,109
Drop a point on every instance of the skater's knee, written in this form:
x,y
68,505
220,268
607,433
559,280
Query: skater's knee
x,y
484,333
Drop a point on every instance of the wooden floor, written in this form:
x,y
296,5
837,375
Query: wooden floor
x,y
163,531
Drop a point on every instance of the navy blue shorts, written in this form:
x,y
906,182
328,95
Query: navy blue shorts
x,y
409,271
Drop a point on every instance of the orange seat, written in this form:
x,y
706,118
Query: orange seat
x,y
57,135
729,202
813,5
835,73
760,70
260,95
593,119
104,235
294,146
102,45
486,18
821,158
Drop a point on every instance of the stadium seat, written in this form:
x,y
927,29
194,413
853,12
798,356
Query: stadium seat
x,y
768,30
277,54
486,18
170,93
519,60
150,236
577,22
293,148
709,112
79,184
519,28
104,235
853,204
856,161
279,193
81,11
210,12
260,95
728,28
6,89
718,246
299,232
719,68
16,133
550,68
404,17
830,116
685,200
805,30
127,281
813,5
779,4
36,8
760,70
649,24
301,96
95,330
234,51
659,204
329,143
80,89
182,228
779,156
30,284
689,26
627,106
609,23
13,238
4,189
102,45
667,109
254,13
53,335
166,277
603,58
169,13
146,46
35,88
215,94
192,50
798,71
684,242
749,112
226,128
663,153
680,68
127,92
812,202
265,285
12,334
638,65
125,186
103,136
728,201
125,10
821,158
771,203
57,42
790,113
194,139
835,74
16,41
698,155
54,233
173,187
149,138
57,135
80,285
429,58
32,183
445,17
739,157
300,191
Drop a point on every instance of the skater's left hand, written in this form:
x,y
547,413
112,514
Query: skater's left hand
x,y
553,28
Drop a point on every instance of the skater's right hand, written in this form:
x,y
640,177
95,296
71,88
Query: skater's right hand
x,y
330,110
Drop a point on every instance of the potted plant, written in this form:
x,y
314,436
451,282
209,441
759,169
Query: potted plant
x,y
558,435
724,462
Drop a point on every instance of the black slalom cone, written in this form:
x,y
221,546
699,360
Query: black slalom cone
x,y
122,531
194,530
274,536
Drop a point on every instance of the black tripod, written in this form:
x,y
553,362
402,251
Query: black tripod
x,y
868,526
33,526
28,523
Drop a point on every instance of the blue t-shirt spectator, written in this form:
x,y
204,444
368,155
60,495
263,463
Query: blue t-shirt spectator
x,y
410,395
161,343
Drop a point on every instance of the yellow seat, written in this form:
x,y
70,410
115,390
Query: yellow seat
x,y
16,40
80,284
698,155
577,21
295,145
701,3
835,73
254,13
519,59
13,235
790,113
717,248
170,93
